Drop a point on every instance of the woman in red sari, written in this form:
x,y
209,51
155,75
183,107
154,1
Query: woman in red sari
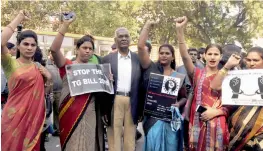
x,y
207,130
80,122
24,113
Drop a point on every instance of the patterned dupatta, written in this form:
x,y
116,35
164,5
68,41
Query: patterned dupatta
x,y
208,135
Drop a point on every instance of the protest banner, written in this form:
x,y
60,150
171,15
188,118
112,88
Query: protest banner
x,y
243,87
87,78
161,93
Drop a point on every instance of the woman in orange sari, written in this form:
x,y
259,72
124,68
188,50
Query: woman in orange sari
x,y
80,122
208,129
24,113
246,123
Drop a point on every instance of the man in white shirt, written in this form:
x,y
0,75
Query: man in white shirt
x,y
126,70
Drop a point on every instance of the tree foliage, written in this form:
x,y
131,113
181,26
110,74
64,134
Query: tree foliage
x,y
218,21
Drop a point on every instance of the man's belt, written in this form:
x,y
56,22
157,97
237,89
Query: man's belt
x,y
123,93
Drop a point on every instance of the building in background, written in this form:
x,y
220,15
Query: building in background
x,y
45,39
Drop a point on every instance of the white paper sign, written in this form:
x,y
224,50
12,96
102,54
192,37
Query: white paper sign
x,y
243,87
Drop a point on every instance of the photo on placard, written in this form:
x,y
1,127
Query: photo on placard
x,y
170,85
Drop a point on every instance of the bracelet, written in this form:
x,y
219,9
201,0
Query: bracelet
x,y
61,33
181,42
8,26
224,71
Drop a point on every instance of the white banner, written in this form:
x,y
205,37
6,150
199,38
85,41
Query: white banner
x,y
243,87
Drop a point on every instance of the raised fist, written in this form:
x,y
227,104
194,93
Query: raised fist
x,y
68,17
233,61
181,22
235,86
25,14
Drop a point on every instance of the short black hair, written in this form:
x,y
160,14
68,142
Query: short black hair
x,y
201,50
232,48
192,49
10,45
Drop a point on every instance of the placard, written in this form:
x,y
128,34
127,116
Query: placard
x,y
161,93
243,87
87,78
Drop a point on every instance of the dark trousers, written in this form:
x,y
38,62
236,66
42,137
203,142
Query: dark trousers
x,y
42,140
186,135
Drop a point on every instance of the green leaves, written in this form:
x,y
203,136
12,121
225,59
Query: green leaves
x,y
221,21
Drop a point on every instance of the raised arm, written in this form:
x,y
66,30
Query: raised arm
x,y
233,61
10,29
56,45
180,25
142,52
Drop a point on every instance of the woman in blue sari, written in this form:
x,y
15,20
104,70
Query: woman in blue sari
x,y
159,135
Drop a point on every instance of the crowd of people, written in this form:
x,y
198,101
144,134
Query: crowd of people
x,y
79,121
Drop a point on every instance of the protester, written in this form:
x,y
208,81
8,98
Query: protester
x,y
246,123
57,87
228,50
243,60
201,52
113,48
189,89
4,88
126,70
79,117
159,135
24,113
4,91
142,91
12,49
207,130
38,57
193,53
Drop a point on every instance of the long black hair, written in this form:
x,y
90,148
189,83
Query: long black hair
x,y
23,35
38,57
171,48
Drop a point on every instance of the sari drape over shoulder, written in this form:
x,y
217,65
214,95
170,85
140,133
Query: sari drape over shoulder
x,y
212,135
159,135
24,113
246,129
79,128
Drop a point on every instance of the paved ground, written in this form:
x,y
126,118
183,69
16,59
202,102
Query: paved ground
x,y
54,145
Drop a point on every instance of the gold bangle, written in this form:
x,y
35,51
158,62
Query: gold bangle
x,y
224,71
10,27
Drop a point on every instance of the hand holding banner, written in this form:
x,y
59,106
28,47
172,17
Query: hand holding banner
x,y
87,78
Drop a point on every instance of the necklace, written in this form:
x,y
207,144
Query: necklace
x,y
22,63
